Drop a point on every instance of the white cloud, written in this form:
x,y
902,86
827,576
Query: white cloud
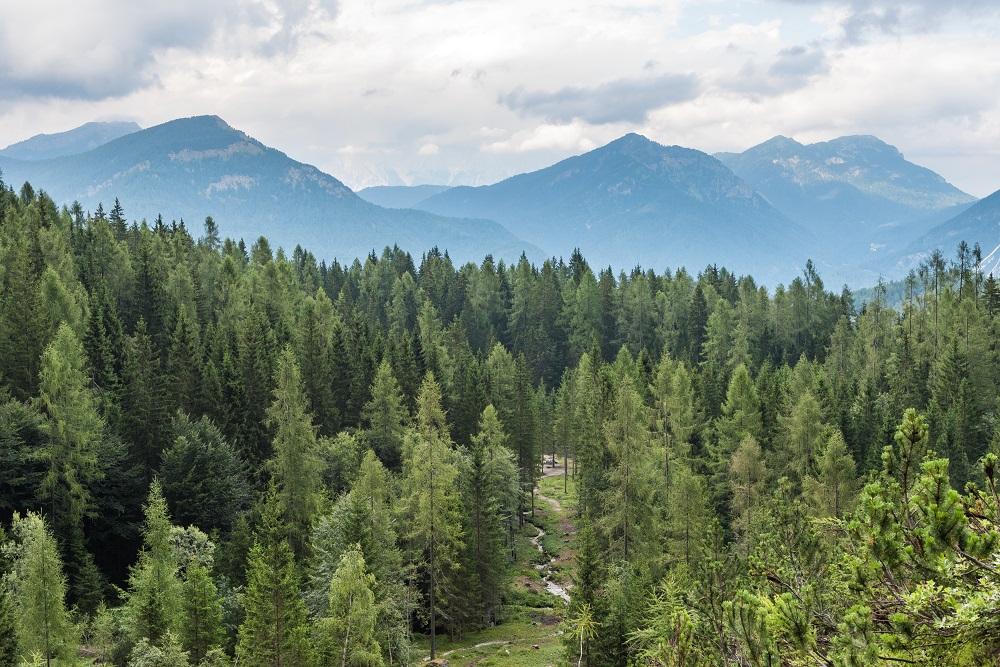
x,y
369,88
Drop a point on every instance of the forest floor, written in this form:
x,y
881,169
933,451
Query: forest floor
x,y
531,633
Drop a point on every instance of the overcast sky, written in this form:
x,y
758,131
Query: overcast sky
x,y
469,91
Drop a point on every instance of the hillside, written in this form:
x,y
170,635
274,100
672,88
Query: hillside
x,y
193,167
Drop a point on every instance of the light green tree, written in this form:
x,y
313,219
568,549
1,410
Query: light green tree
x,y
43,625
346,636
628,514
385,416
154,604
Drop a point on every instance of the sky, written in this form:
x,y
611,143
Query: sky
x,y
471,91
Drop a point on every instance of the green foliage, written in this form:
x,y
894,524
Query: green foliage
x,y
43,625
154,604
347,635
295,467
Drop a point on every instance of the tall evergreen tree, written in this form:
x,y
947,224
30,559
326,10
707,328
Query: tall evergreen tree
x,y
431,508
385,416
295,467
154,603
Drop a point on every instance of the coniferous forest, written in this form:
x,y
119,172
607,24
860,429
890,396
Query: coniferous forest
x,y
215,453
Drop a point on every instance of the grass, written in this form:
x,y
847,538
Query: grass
x,y
532,616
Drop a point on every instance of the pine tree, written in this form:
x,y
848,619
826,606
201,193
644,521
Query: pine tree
x,y
432,508
43,625
385,416
201,628
154,603
346,636
295,468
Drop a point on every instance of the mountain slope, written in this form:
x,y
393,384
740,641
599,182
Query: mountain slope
x,y
980,223
636,201
193,167
858,194
78,140
400,196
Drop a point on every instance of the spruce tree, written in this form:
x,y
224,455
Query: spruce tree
x,y
493,499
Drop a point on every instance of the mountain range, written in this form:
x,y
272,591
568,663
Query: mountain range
x,y
78,140
190,168
857,194
853,204
635,201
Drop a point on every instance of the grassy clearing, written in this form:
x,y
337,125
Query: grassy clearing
x,y
530,635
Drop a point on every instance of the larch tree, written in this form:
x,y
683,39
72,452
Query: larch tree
x,y
43,625
830,490
154,603
747,476
628,519
431,508
274,631
71,454
201,627
295,467
347,635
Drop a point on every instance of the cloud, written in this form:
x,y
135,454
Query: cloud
x,y
429,149
860,20
99,49
621,100
792,69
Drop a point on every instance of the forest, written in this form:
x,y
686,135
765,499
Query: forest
x,y
220,454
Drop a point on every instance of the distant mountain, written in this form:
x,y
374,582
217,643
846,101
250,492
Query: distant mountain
x,y
857,194
400,196
635,201
980,223
194,167
78,140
